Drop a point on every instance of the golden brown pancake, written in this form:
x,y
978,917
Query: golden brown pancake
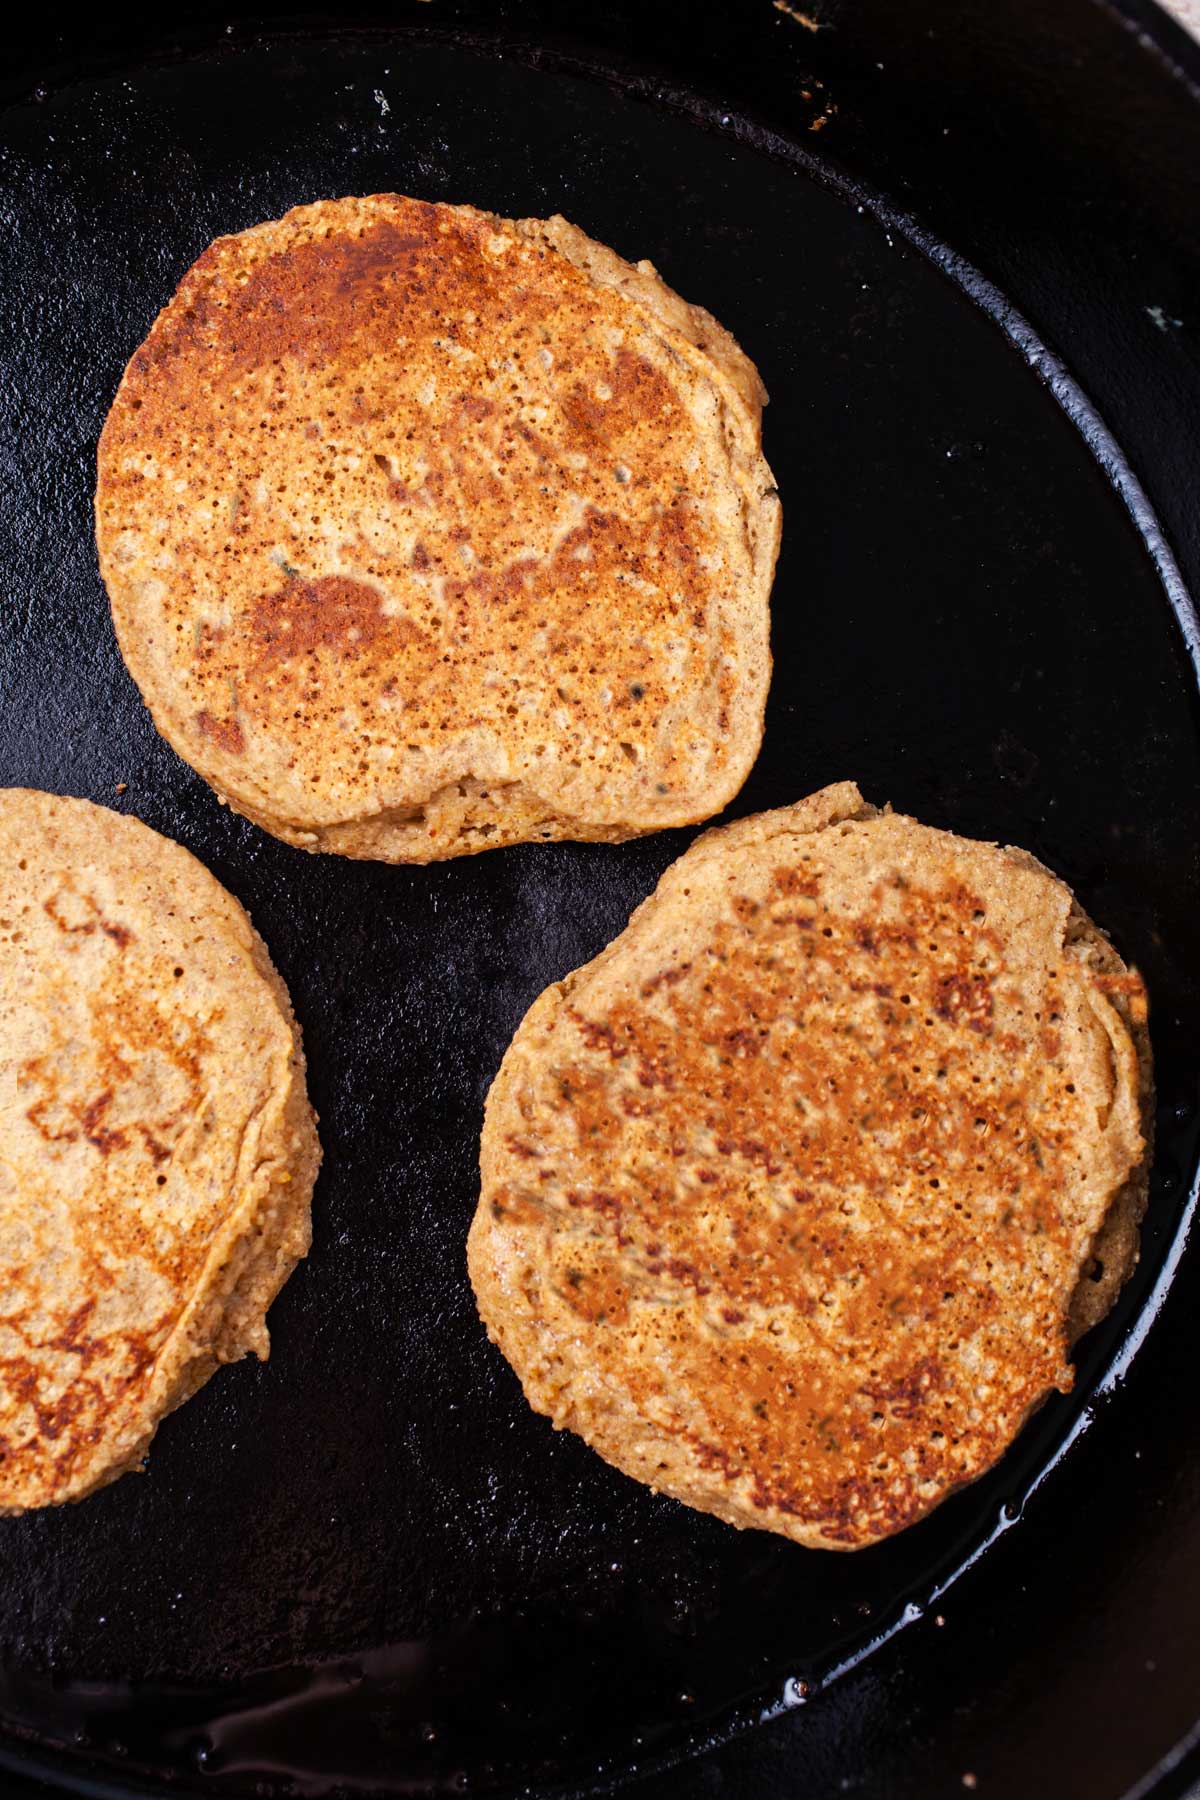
x,y
159,1150
794,1200
427,531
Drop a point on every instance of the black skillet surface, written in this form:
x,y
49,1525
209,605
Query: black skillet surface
x,y
366,1567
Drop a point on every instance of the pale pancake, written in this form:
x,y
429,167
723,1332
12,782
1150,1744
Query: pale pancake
x,y
792,1200
428,531
158,1152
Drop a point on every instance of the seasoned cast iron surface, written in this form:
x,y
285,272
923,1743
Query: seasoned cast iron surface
x,y
367,1561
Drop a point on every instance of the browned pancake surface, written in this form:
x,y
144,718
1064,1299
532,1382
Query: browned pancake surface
x,y
158,1151
427,531
787,1197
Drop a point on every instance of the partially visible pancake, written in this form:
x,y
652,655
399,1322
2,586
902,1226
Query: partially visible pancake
x,y
795,1199
158,1150
428,531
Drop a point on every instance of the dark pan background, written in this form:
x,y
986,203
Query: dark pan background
x,y
366,1566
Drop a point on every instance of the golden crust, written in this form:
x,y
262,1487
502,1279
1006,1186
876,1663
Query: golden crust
x,y
427,531
790,1197
1114,1250
159,1149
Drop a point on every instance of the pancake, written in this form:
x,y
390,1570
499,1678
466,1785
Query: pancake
x,y
794,1200
427,531
159,1150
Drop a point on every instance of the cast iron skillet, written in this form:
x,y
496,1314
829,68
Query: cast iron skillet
x,y
961,246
